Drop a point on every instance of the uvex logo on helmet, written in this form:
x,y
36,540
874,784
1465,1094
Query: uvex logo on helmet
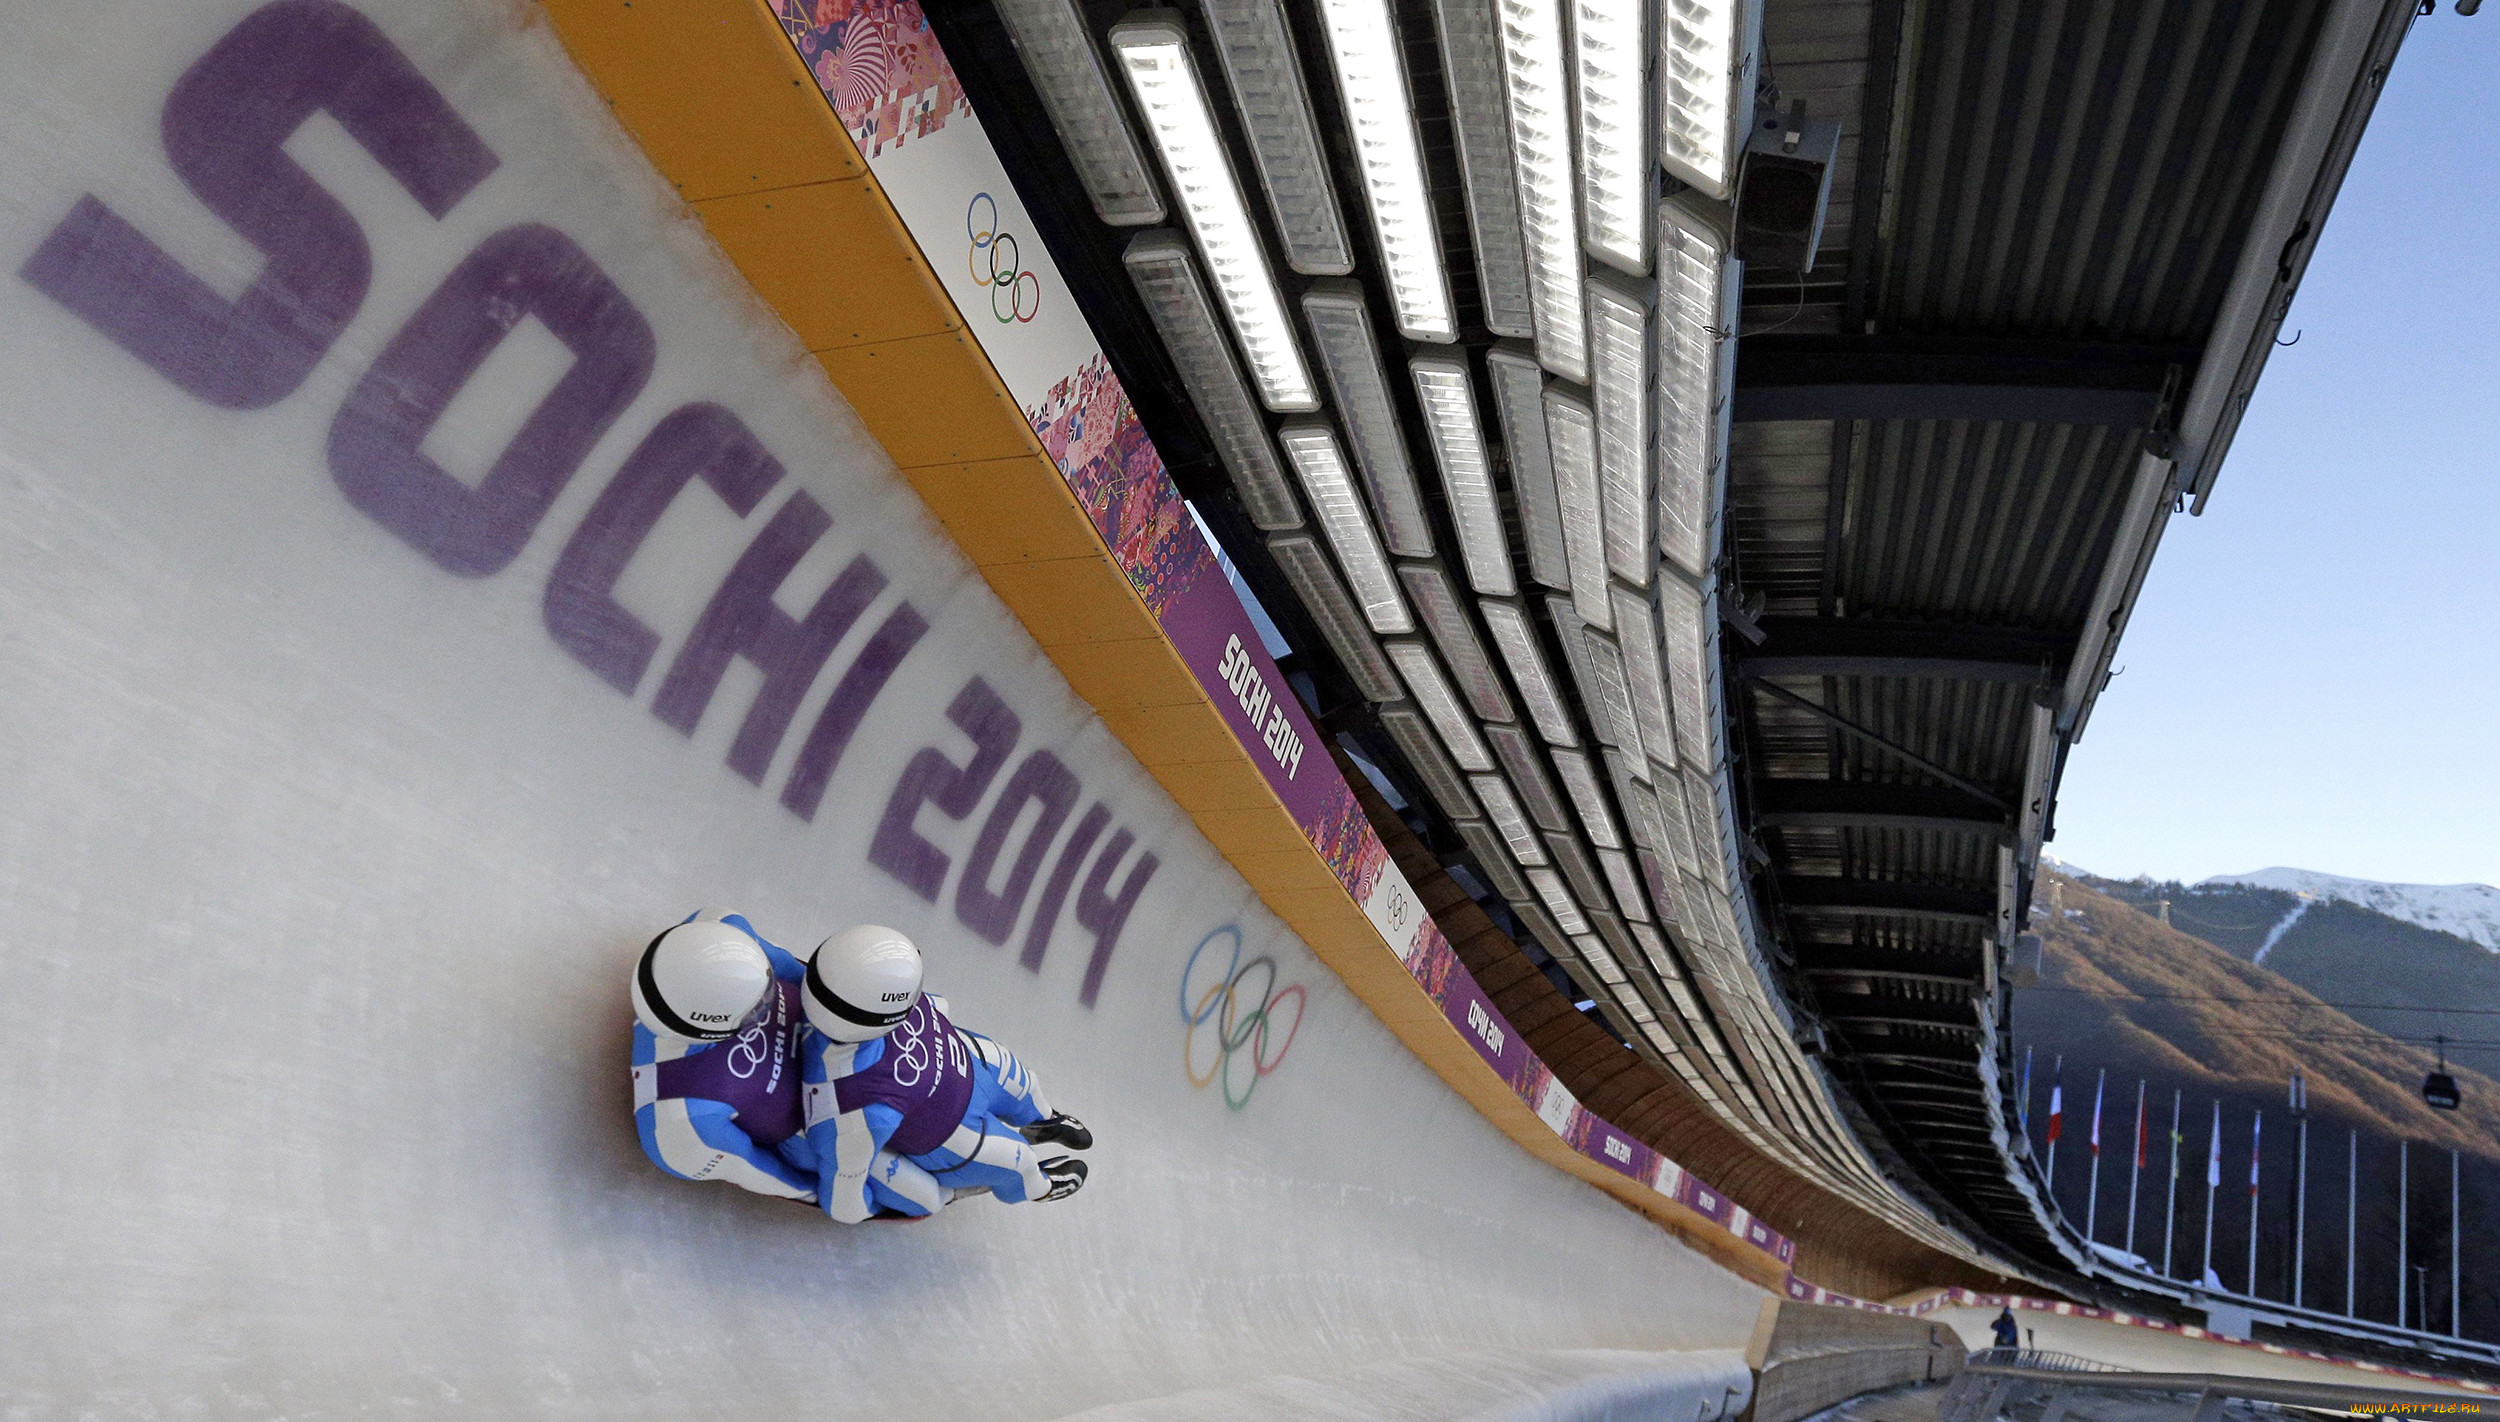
x,y
898,997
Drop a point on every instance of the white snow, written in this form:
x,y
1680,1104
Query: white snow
x,y
2275,934
2470,911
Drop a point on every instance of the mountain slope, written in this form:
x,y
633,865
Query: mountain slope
x,y
2469,911
2122,992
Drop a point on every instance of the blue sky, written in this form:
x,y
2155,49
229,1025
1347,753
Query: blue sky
x,y
2313,675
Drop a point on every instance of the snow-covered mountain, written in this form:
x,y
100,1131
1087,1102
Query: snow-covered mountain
x,y
2470,911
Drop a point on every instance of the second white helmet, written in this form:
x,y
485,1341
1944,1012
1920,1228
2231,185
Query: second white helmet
x,y
861,982
699,981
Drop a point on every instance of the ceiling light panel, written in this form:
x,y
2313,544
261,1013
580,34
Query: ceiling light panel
x,y
1579,780
1433,695
1514,635
1600,960
1637,634
1609,62
1701,802
1695,321
1154,53
1257,54
1502,807
1661,957
1567,916
1536,789
1658,876
1471,74
1571,433
1540,134
1677,821
1444,615
1681,614
1363,42
1317,460
1448,400
1705,88
1431,764
1636,1009
1607,691
1166,278
1625,880
1519,395
1619,391
1342,327
1067,72
1485,846
1305,567
1578,869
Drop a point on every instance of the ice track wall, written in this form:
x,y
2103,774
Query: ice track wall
x,y
391,648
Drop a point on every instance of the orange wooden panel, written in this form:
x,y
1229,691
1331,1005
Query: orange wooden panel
x,y
1260,827
1141,671
1065,600
833,260
1217,785
712,90
933,400
1174,735
999,513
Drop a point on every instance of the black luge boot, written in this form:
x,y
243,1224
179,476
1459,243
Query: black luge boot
x,y
1059,1129
1067,1176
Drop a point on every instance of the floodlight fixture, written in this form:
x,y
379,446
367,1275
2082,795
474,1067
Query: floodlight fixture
x,y
1609,64
1636,632
1695,330
1311,448
1424,754
1342,328
1153,51
1536,789
1502,807
1448,400
1058,51
1514,635
1492,856
1380,114
1166,278
1540,132
1579,780
1519,396
1571,430
1609,695
1707,56
1681,614
1558,902
1471,73
1444,615
1626,882
1257,53
1600,960
1306,569
1619,390
1432,693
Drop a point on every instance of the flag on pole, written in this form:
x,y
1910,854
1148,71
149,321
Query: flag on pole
x,y
2213,1160
2057,1102
2096,1115
2256,1130
2139,1125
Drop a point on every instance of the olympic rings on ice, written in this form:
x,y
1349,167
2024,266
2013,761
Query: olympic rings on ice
x,y
1244,1007
1008,281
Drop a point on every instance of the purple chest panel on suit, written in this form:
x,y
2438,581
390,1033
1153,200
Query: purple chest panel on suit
x,y
755,1072
925,1073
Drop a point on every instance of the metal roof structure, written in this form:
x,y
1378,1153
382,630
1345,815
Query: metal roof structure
x,y
1722,602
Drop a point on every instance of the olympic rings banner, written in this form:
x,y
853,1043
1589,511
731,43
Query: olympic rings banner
x,y
888,80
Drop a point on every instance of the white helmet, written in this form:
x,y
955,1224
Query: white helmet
x,y
699,980
862,981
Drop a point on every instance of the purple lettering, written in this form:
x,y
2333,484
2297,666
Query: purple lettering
x,y
581,611
955,789
374,455
743,620
224,124
1062,878
1041,780
848,706
1107,913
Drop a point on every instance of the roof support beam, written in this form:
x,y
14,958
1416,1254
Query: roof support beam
x,y
1889,899
1866,646
1824,377
1869,804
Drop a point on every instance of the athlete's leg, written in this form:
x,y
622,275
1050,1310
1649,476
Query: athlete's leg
x,y
988,1153
1003,1086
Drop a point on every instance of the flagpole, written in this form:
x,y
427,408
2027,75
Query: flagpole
x,y
2057,1118
2352,1212
2170,1212
2455,1314
2256,1133
2300,1186
2092,1195
2213,1182
2026,1107
2404,1194
2135,1177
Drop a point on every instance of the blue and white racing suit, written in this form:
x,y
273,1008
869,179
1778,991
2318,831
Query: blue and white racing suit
x,y
731,1110
927,1094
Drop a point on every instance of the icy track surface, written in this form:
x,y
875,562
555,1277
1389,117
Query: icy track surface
x,y
330,830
